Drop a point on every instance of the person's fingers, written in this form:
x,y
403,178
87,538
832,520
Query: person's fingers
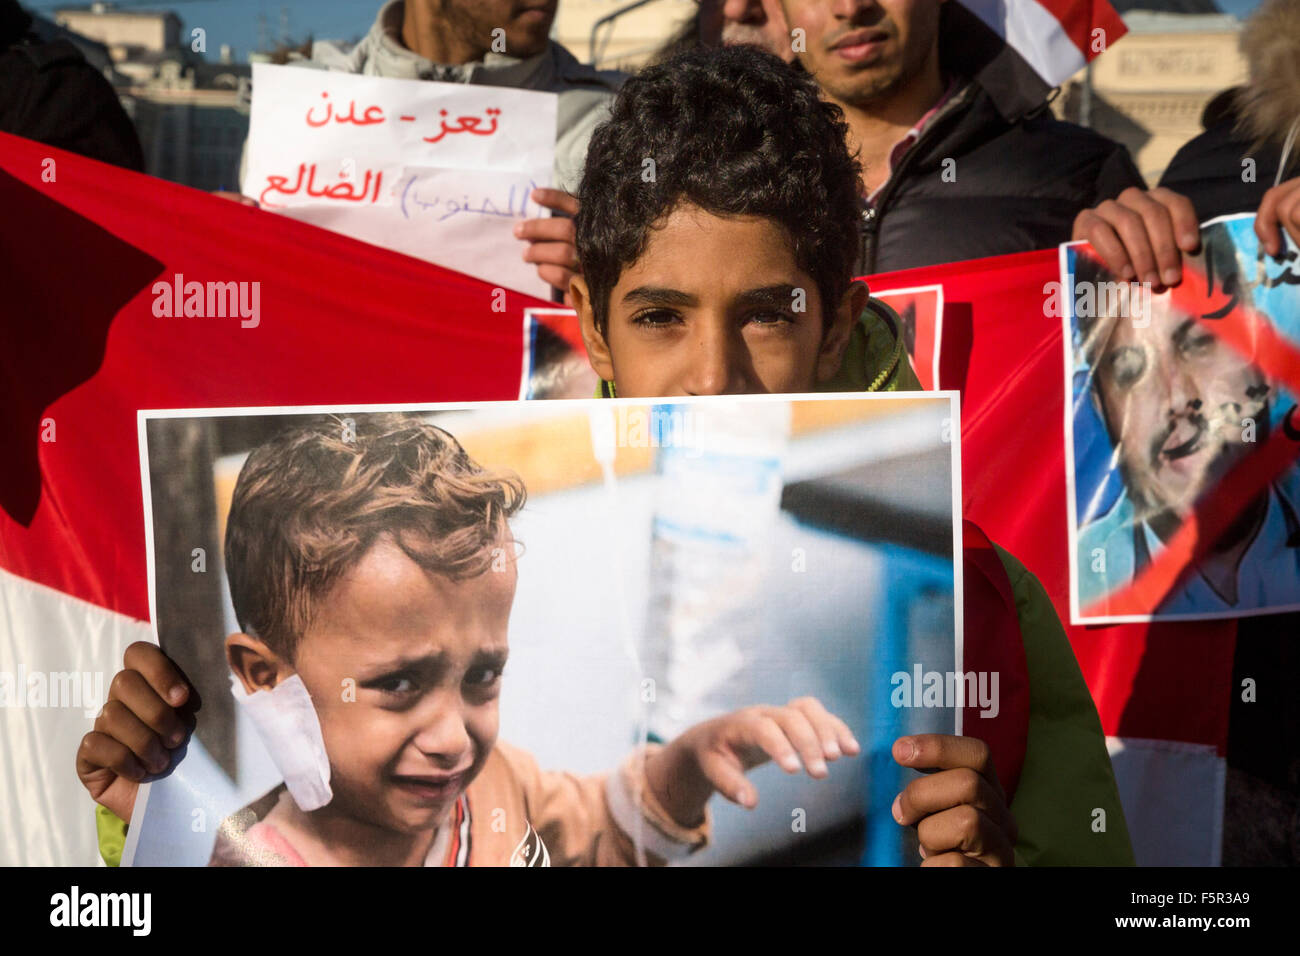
x,y
118,722
1158,220
798,730
163,676
552,253
236,197
546,230
964,829
556,276
1270,218
947,752
99,752
727,777
556,199
962,786
1103,238
1187,229
1288,211
836,737
952,859
756,738
132,692
1132,231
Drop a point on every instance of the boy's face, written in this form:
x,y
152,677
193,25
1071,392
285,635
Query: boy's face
x,y
715,306
426,655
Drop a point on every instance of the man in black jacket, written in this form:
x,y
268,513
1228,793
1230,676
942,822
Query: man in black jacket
x,y
49,93
962,157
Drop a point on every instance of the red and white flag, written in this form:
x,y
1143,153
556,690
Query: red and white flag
x,y
1058,38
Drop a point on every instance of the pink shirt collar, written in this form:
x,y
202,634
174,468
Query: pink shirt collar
x,y
900,148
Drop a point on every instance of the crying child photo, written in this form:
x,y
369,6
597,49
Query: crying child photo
x,y
594,632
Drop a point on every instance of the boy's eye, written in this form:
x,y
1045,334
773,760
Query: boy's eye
x,y
483,676
770,318
396,686
655,318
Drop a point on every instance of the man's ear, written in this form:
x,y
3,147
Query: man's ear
x,y
836,339
597,349
255,665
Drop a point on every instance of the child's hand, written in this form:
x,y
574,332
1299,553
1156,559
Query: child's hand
x,y
715,755
135,730
960,812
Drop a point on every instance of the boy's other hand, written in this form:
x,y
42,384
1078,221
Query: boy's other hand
x,y
959,810
1278,210
1141,235
136,729
552,242
715,754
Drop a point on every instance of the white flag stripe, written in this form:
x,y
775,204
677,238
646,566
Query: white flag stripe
x,y
1035,34
51,640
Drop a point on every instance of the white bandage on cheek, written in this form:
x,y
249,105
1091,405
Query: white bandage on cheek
x,y
286,720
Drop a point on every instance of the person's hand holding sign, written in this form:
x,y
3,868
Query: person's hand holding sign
x,y
552,245
958,808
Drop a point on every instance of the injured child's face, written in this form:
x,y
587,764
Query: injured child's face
x,y
404,668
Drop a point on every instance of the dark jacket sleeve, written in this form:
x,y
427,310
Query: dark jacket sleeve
x,y
1117,174
49,93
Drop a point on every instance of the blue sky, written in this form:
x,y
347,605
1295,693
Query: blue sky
x,y
236,21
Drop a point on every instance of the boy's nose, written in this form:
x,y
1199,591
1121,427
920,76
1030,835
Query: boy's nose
x,y
716,363
445,738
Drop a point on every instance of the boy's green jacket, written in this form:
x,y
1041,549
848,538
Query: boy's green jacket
x,y
1066,776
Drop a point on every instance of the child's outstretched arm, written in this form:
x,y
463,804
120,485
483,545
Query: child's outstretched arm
x,y
958,808
136,729
715,755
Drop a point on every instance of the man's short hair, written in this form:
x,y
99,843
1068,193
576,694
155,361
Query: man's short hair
x,y
735,131
312,501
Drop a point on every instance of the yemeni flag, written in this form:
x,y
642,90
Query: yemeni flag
x,y
1058,38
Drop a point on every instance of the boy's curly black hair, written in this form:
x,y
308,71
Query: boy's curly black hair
x,y
735,131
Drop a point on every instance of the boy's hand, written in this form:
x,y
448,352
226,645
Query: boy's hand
x,y
135,730
552,241
960,812
715,754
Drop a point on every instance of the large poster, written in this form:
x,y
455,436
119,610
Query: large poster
x,y
1182,434
682,591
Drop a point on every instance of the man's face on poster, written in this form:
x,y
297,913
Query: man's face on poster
x,y
1175,399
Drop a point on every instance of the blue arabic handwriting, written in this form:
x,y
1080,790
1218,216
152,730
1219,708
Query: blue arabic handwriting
x,y
416,204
